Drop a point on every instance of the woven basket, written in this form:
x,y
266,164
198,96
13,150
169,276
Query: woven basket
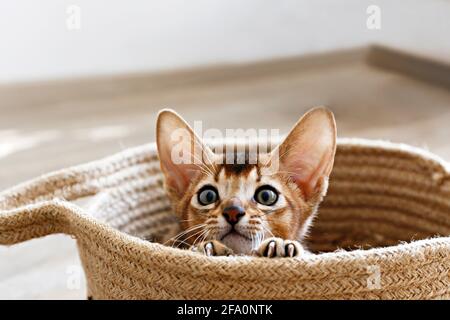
x,y
381,195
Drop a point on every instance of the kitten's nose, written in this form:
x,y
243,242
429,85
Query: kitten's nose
x,y
233,211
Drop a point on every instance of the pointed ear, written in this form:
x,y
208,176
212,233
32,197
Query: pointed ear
x,y
180,151
307,153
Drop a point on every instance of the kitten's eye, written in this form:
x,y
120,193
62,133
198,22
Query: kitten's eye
x,y
266,195
207,195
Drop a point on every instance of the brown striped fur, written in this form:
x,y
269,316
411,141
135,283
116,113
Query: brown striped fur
x,y
299,194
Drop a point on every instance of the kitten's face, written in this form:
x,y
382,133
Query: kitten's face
x,y
241,204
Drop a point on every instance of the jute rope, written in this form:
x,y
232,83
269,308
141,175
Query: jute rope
x,y
387,202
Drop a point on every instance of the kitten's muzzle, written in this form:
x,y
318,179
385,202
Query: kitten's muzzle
x,y
233,213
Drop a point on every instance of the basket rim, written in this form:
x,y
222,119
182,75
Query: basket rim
x,y
416,248
419,250
79,219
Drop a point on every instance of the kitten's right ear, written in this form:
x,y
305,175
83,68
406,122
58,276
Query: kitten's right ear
x,y
180,151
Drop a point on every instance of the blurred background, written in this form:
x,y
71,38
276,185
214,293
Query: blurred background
x,y
80,80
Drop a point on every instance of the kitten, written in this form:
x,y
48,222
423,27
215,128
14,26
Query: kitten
x,y
247,208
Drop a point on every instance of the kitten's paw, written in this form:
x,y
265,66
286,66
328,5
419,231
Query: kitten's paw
x,y
212,248
277,247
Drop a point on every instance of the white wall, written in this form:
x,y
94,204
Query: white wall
x,y
142,35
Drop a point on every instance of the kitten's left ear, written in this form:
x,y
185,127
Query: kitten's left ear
x,y
307,153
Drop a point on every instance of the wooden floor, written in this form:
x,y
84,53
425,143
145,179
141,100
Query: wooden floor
x,y
47,126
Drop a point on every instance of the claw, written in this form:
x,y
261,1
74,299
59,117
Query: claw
x,y
271,249
209,249
291,250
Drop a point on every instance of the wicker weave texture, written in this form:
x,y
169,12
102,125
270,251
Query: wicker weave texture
x,y
391,200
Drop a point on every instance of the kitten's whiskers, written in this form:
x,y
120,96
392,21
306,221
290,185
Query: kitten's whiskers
x,y
204,232
193,235
179,235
